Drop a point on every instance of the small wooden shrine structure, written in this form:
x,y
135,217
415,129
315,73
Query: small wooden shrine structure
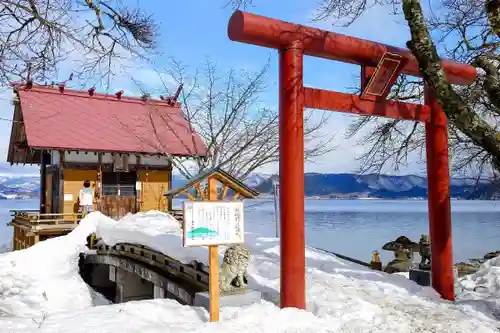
x,y
198,188
120,144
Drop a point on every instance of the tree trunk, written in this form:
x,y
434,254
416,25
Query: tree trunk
x,y
457,110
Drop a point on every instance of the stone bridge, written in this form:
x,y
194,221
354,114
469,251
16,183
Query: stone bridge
x,y
127,272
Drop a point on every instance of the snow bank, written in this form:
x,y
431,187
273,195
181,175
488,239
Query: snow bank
x,y
482,289
44,278
348,296
341,296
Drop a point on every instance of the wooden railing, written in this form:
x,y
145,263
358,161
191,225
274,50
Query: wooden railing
x,y
34,218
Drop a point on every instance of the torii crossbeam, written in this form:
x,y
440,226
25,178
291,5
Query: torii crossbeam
x,y
380,66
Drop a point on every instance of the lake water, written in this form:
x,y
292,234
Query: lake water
x,y
357,227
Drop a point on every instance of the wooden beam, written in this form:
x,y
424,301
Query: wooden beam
x,y
224,191
190,197
267,32
200,191
342,102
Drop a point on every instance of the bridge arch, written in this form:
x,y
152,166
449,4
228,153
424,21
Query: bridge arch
x,y
127,272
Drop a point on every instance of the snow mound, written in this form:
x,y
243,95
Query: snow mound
x,y
350,297
482,289
44,278
42,283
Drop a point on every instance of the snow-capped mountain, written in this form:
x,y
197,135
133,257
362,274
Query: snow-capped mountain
x,y
347,185
19,186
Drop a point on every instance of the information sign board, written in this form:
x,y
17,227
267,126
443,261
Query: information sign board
x,y
209,223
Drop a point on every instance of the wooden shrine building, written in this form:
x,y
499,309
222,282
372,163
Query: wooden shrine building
x,y
120,144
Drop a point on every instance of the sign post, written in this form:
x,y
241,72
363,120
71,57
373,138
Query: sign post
x,y
212,223
213,263
276,189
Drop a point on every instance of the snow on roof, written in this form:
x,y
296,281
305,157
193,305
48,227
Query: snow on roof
x,y
48,293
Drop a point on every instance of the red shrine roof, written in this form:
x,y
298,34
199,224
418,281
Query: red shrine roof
x,y
65,119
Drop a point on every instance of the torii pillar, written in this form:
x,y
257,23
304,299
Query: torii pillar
x,y
380,66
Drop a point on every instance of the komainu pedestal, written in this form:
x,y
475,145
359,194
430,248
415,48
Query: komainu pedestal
x,y
232,281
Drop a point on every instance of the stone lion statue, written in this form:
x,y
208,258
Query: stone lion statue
x,y
233,268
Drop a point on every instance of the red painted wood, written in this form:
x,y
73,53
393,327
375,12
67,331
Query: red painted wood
x,y
366,74
337,101
438,178
291,139
263,31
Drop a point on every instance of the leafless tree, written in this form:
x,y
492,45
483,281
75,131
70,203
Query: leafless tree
x,y
468,31
239,130
36,37
465,33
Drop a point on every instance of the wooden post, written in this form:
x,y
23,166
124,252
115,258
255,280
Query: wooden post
x,y
291,177
99,182
16,232
169,199
23,233
43,181
438,179
61,182
213,262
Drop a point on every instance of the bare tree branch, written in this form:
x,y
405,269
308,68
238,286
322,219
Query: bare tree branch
x,y
456,109
466,30
238,129
45,33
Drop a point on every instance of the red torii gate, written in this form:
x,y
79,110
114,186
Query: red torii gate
x,y
380,66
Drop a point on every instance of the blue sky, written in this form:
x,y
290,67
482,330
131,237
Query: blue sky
x,y
193,31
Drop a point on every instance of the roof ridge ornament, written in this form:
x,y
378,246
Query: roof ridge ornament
x,y
62,85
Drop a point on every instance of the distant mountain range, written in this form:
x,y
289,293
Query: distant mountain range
x,y
19,187
317,185
353,186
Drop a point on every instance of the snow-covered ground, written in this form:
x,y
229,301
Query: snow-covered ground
x,y
40,290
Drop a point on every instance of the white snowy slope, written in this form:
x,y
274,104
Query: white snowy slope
x,y
40,290
482,289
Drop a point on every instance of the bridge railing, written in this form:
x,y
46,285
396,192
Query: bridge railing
x,y
195,273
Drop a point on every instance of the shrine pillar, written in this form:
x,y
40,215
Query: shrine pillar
x,y
438,178
291,168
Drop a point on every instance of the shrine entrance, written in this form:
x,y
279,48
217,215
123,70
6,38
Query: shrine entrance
x,y
380,66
